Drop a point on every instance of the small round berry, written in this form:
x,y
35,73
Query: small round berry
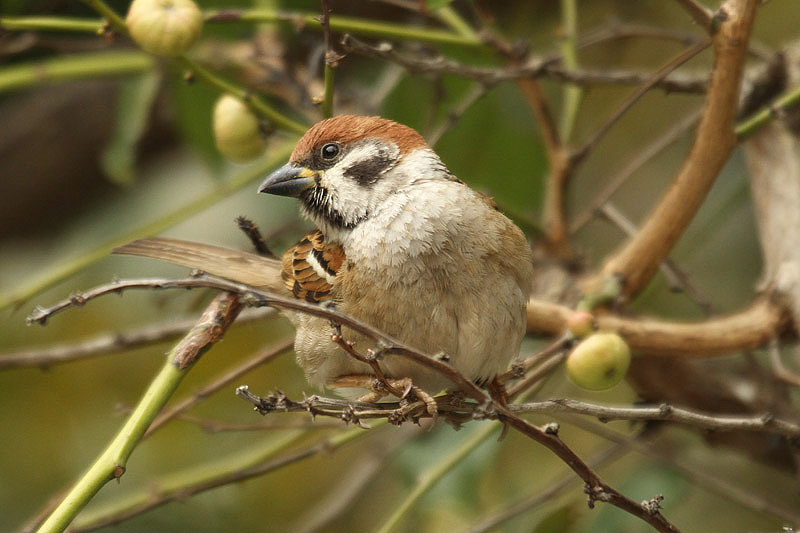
x,y
580,323
599,362
236,130
164,27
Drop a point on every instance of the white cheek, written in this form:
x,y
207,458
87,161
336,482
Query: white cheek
x,y
351,199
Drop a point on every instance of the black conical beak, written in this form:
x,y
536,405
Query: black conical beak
x,y
289,180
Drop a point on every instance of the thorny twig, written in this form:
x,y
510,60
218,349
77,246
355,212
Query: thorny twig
x,y
454,408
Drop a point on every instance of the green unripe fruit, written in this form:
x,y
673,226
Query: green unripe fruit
x,y
599,362
164,27
236,130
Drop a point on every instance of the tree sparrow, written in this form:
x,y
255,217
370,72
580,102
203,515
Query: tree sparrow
x,y
402,244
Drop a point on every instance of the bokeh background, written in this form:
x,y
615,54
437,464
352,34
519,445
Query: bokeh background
x,y
64,194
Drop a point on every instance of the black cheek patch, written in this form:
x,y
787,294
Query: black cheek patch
x,y
369,171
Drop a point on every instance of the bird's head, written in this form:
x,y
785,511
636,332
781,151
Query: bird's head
x,y
344,168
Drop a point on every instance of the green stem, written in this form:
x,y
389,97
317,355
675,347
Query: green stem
x,y
51,24
368,28
239,466
437,472
451,18
755,122
66,269
327,99
364,27
111,463
63,68
257,103
117,22
572,94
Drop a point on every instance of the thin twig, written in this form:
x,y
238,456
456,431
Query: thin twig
x,y
250,229
217,384
595,488
331,60
699,13
111,342
682,58
532,68
765,422
776,109
677,279
521,367
454,407
548,495
697,473
571,95
544,369
454,115
668,138
779,369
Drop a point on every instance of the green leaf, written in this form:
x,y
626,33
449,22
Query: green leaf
x,y
136,97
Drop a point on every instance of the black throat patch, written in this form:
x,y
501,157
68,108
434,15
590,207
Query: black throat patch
x,y
316,202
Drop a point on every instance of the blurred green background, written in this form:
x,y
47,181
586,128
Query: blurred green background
x,y
58,202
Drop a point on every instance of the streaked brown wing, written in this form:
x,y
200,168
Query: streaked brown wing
x,y
310,267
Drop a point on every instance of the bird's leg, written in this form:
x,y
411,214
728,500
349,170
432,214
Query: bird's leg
x,y
379,389
499,394
430,402
497,390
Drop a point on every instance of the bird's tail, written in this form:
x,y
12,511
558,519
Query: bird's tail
x,y
242,267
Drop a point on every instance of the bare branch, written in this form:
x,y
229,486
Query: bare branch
x,y
749,328
638,260
765,422
456,410
532,68
112,342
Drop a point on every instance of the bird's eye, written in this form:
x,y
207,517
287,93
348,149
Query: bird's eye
x,y
329,151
